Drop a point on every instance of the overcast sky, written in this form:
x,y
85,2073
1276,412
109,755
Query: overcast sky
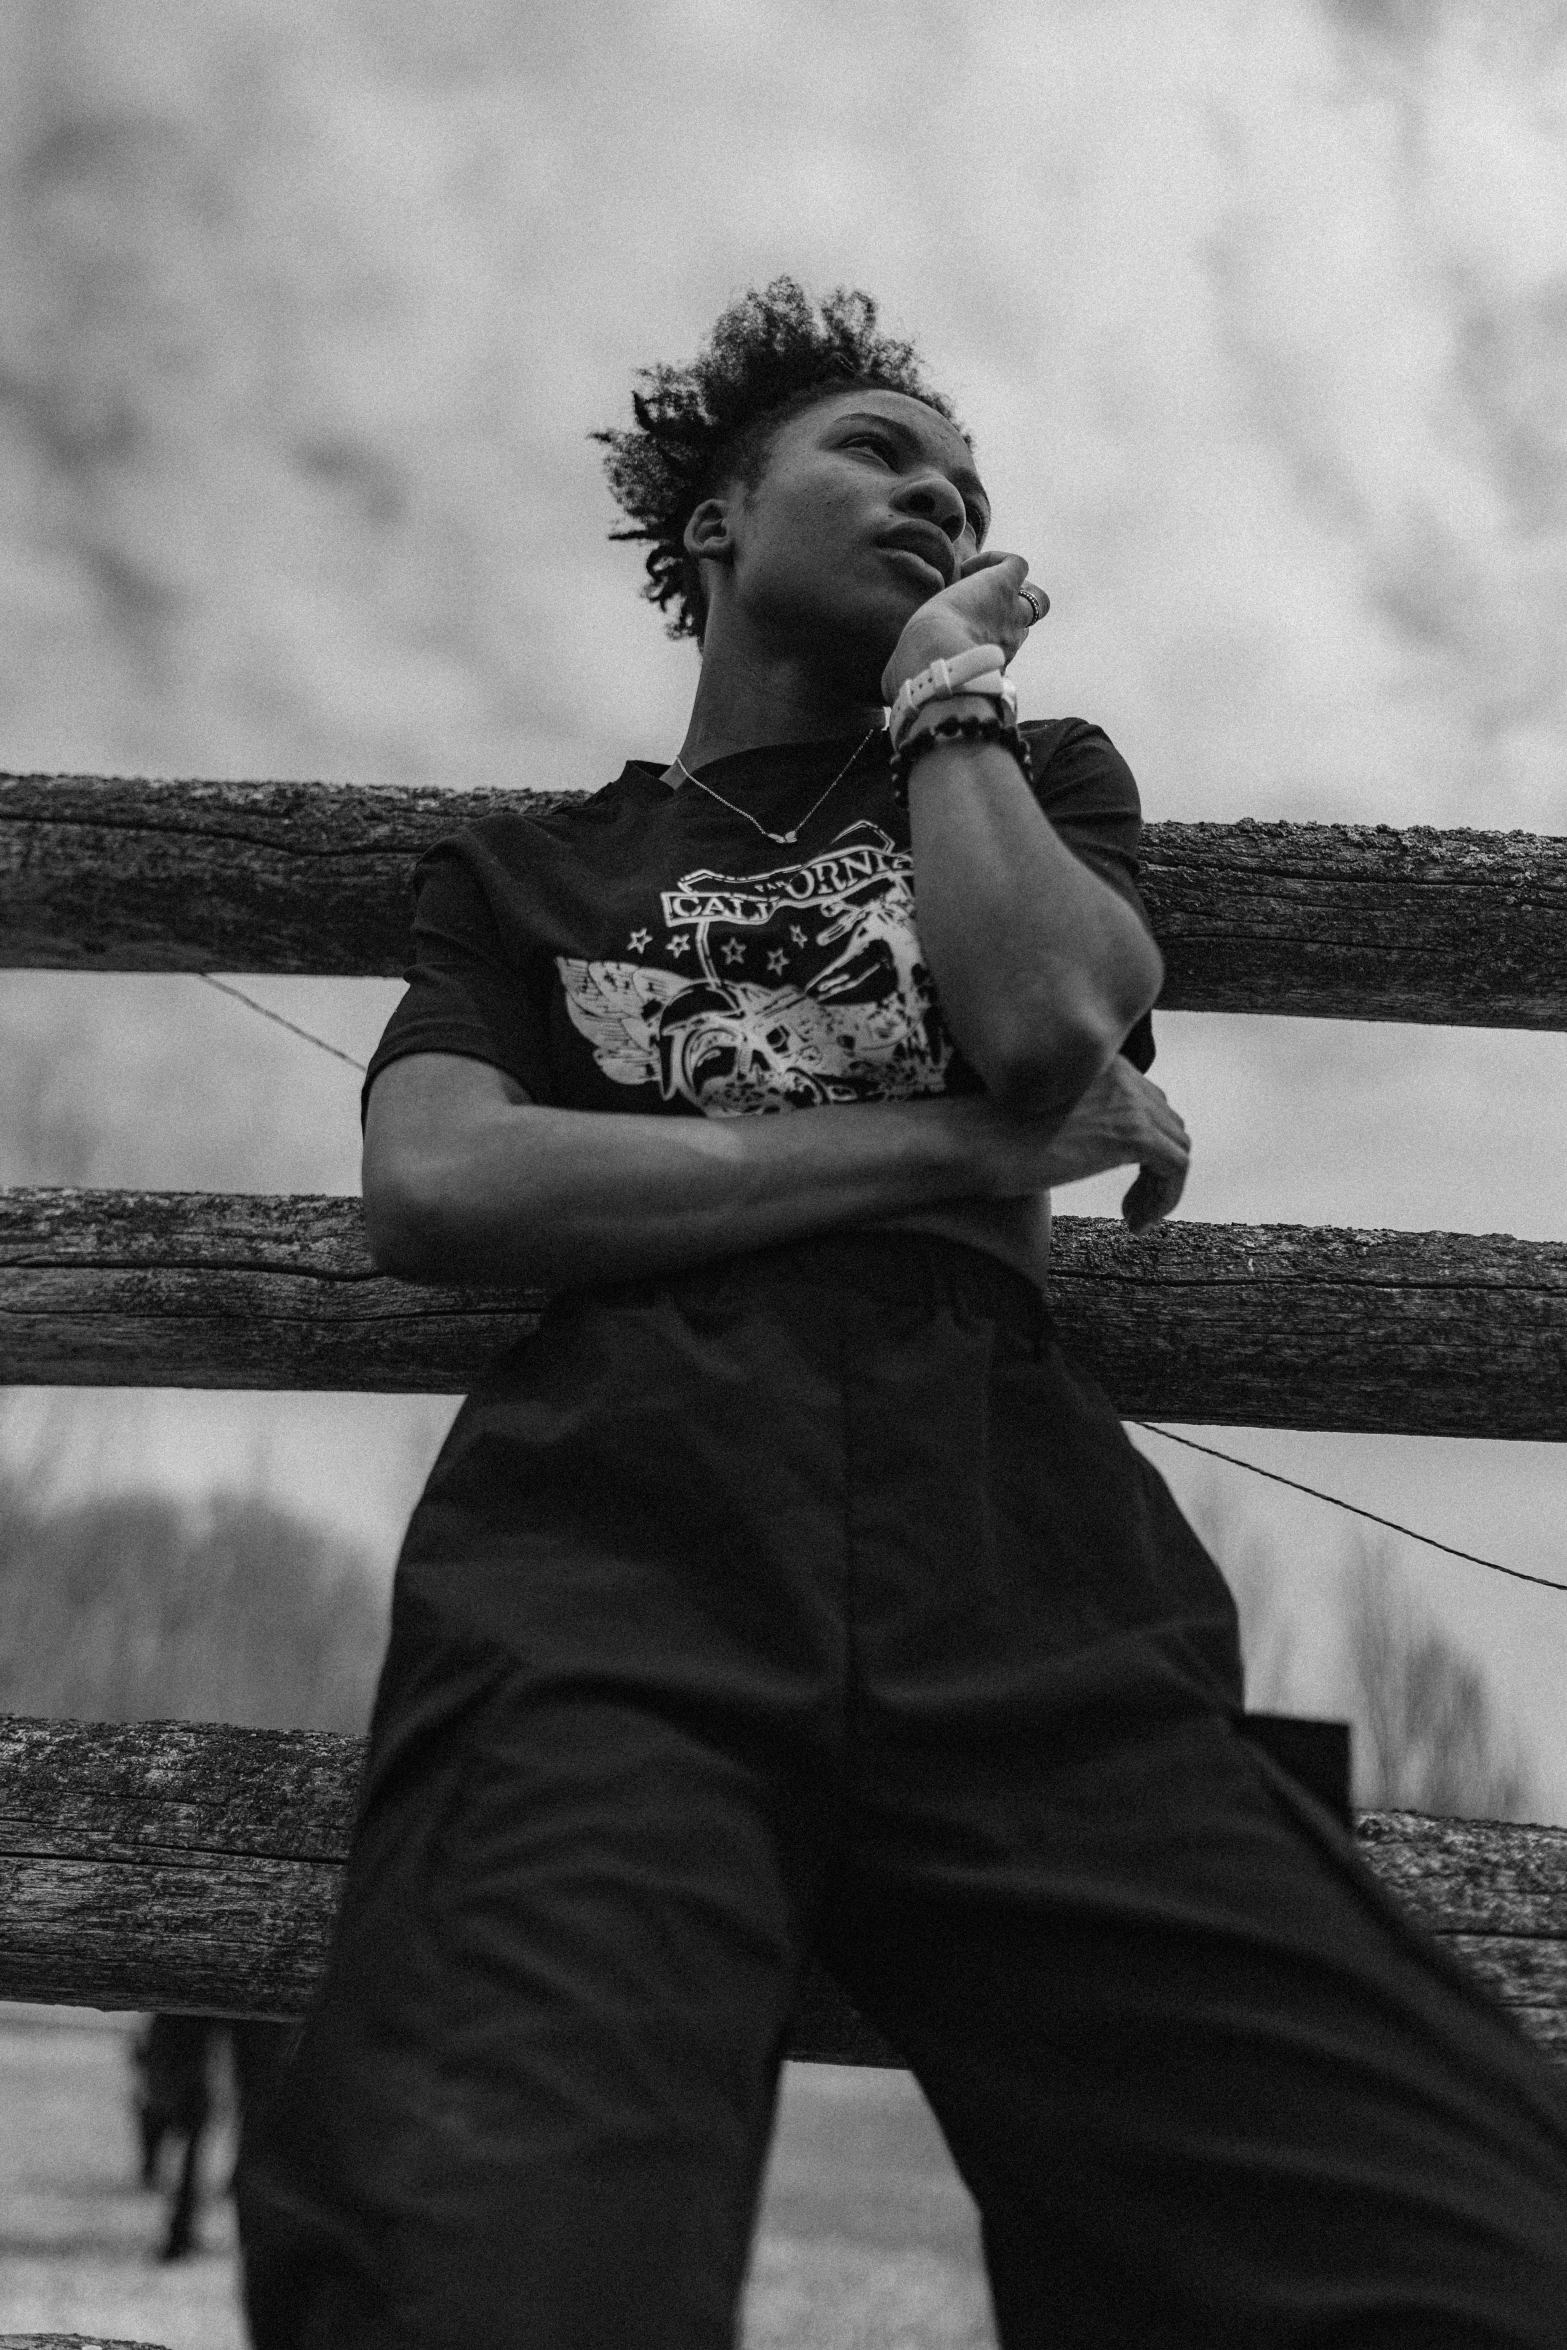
x,y
1257,310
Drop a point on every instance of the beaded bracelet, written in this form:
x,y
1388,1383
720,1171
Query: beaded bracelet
x,y
990,729
979,670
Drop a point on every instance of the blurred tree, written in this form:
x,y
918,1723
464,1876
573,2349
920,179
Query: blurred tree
x,y
50,1132
139,1607
1425,1733
1427,1738
52,1129
1246,1550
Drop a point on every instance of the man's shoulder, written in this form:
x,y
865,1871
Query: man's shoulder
x,y
513,835
1076,762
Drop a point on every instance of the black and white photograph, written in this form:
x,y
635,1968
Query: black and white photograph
x,y
783,1175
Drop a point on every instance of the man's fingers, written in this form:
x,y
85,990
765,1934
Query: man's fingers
x,y
1162,1137
1151,1198
1155,1195
1151,1106
991,559
1167,1128
1003,574
1138,1209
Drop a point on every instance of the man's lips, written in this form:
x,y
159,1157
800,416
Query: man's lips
x,y
932,547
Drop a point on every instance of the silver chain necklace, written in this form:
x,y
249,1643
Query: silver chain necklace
x,y
783,839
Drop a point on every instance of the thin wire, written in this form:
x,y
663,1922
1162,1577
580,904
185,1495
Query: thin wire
x,y
292,1026
1470,1557
1353,1508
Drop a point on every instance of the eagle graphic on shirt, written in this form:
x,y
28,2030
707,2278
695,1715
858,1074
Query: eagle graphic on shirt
x,y
791,989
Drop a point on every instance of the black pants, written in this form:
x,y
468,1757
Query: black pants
x,y
813,1600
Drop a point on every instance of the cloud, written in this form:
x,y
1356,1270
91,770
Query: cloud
x,y
297,364
1256,308
1388,287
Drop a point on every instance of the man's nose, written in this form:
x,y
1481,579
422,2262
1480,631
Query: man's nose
x,y
932,498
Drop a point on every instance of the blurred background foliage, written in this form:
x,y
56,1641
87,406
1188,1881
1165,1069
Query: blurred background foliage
x,y
138,1607
1427,1731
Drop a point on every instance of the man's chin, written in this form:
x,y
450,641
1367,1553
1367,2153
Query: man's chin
x,y
849,645
862,649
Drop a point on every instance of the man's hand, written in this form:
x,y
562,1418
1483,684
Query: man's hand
x,y
1122,1120
982,607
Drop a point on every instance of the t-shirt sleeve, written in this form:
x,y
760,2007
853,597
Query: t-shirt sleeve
x,y
467,993
1090,795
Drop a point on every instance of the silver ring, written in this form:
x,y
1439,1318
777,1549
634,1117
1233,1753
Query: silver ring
x,y
1037,601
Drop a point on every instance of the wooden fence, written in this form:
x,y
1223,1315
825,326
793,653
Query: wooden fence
x,y
166,1866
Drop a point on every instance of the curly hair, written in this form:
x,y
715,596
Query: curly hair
x,y
770,355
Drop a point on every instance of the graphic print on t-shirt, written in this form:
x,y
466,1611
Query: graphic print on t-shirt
x,y
796,988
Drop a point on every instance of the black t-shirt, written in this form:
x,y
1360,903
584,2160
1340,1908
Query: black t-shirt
x,y
649,950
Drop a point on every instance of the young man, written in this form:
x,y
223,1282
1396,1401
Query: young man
x,y
790,1590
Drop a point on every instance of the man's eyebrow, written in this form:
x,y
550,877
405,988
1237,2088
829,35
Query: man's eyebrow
x,y
963,477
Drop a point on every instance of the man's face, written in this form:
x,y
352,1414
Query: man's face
x,y
868,505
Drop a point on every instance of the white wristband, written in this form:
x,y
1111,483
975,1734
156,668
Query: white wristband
x,y
979,671
944,678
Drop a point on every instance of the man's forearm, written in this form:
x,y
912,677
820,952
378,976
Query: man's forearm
x,y
1040,967
528,1194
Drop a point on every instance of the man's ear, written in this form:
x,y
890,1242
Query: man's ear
x,y
707,537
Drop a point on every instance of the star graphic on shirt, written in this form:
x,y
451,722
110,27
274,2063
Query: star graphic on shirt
x,y
797,934
732,951
678,946
638,941
776,960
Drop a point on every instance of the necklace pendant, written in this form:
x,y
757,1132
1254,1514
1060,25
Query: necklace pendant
x,y
784,839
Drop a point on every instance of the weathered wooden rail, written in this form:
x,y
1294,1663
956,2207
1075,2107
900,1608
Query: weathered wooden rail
x,y
170,1866
1261,1325
1331,921
72,2342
